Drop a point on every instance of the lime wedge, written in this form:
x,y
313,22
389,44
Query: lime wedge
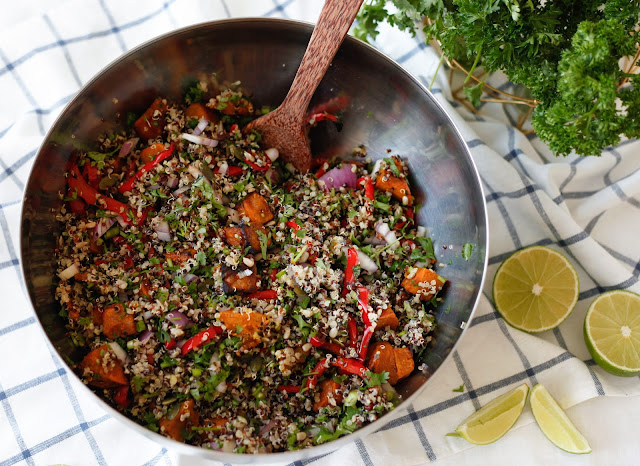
x,y
555,424
535,289
495,418
612,332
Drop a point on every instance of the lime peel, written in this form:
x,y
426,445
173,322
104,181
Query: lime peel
x,y
555,424
494,419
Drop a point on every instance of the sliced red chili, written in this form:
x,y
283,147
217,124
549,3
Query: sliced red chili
x,y
352,261
121,396
293,225
170,344
317,372
364,345
368,187
321,116
289,388
265,295
273,274
258,168
201,338
353,332
350,366
331,347
334,105
231,171
363,302
147,167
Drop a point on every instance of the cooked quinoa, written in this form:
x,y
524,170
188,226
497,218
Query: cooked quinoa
x,y
225,299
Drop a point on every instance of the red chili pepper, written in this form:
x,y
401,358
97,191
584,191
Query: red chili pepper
x,y
119,240
331,347
265,295
353,332
317,372
201,338
321,116
322,171
147,167
407,213
352,261
231,171
350,366
77,206
289,388
364,345
121,396
90,173
363,302
100,261
93,197
333,105
170,344
128,263
258,168
272,274
233,128
368,187
293,225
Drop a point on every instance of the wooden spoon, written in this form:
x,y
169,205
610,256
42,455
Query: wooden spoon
x,y
285,128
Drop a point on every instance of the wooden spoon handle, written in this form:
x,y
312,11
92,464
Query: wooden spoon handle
x,y
333,24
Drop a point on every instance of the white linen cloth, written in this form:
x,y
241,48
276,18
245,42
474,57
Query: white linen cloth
x,y
587,208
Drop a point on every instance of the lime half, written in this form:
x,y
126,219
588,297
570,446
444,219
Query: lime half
x,y
535,289
612,332
555,424
495,418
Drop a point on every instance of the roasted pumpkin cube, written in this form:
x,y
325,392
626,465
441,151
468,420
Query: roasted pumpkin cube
x,y
404,362
151,124
388,318
245,324
234,236
179,424
329,389
199,111
105,369
116,322
384,357
256,208
242,280
178,257
149,153
397,186
424,282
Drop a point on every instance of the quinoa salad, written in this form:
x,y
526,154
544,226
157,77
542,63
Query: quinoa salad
x,y
226,300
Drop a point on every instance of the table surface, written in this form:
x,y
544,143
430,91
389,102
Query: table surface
x,y
610,423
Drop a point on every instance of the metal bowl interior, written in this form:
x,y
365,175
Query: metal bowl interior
x,y
389,110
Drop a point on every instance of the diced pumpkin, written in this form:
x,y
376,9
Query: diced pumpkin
x,y
217,425
246,325
151,124
424,282
256,208
97,315
241,107
234,236
199,111
381,358
144,290
244,236
388,318
328,389
404,362
116,322
178,257
72,310
237,281
104,377
179,425
397,186
149,153
384,357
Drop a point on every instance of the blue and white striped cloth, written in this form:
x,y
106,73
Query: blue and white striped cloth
x,y
588,208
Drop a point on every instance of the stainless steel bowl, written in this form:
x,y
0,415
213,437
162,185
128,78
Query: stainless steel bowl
x,y
390,110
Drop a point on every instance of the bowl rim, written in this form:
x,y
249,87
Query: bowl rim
x,y
316,451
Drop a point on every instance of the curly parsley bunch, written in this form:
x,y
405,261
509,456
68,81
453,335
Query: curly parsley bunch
x,y
566,52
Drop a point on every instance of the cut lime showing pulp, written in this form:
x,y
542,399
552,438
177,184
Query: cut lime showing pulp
x,y
535,289
612,332
555,424
495,418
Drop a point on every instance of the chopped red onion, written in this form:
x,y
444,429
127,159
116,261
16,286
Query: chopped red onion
x,y
147,315
102,226
267,427
127,146
163,231
422,231
118,351
222,387
366,262
389,235
272,153
155,186
199,140
222,170
144,336
338,177
69,272
189,277
179,191
202,124
166,237
382,229
172,181
178,319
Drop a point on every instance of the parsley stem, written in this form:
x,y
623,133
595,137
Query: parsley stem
x,y
435,73
475,63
